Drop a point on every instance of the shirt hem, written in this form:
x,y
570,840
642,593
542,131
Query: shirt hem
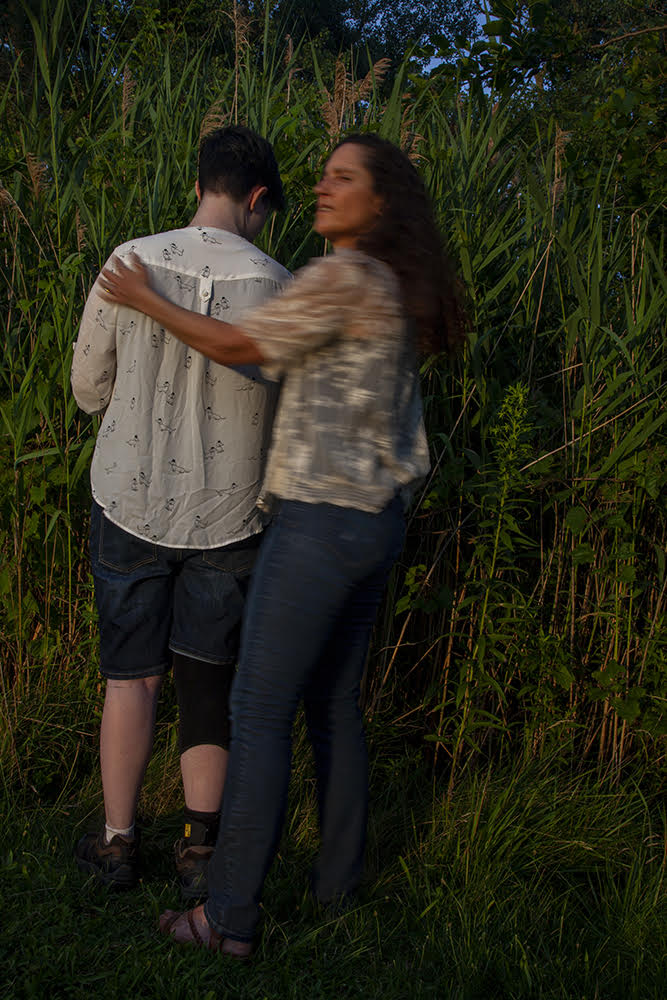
x,y
352,500
230,539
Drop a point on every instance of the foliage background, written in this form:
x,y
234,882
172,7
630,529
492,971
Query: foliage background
x,y
516,683
528,610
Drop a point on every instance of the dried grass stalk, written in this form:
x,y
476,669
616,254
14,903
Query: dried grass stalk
x,y
374,77
6,200
214,119
37,170
9,204
490,146
129,86
347,92
242,25
409,139
80,232
558,184
291,70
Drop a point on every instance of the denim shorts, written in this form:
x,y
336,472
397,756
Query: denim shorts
x,y
152,599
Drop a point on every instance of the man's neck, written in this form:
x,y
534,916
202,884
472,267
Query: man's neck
x,y
220,212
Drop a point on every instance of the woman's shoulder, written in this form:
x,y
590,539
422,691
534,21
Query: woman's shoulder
x,y
377,305
348,268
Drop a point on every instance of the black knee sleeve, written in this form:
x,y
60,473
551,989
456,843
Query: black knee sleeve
x,y
202,690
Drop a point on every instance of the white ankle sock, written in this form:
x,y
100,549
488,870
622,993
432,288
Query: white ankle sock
x,y
110,831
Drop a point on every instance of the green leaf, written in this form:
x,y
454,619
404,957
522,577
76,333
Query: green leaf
x,y
583,554
576,520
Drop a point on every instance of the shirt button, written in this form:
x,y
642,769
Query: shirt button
x,y
205,294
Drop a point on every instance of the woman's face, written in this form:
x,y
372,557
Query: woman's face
x,y
347,205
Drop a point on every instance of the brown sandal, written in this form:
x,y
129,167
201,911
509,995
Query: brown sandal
x,y
215,942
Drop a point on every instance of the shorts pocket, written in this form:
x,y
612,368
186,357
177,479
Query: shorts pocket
x,y
237,559
121,551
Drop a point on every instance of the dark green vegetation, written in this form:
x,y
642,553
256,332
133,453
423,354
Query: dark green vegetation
x,y
531,883
521,650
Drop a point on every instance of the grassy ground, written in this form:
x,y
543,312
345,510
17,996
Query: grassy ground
x,y
532,882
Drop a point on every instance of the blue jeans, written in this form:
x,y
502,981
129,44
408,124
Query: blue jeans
x,y
314,596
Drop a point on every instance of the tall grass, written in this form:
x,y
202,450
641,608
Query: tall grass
x,y
533,882
534,608
529,607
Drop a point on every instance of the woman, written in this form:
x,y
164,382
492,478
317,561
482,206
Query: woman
x,y
348,442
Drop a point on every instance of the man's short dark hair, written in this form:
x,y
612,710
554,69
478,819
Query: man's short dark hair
x,y
234,160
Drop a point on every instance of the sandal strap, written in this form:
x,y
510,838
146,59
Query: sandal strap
x,y
215,941
193,929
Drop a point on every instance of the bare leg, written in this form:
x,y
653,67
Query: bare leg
x,y
203,769
126,742
202,690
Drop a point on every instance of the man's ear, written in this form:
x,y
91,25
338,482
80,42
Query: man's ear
x,y
256,196
197,190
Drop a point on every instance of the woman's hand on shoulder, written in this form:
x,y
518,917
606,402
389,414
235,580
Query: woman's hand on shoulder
x,y
126,286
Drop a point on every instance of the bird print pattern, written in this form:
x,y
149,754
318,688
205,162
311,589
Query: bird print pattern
x,y
162,469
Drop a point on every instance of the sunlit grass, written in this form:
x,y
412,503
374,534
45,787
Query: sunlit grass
x,y
534,882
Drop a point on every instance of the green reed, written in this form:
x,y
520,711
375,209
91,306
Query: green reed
x,y
528,608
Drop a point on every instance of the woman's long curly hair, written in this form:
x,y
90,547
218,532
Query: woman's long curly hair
x,y
407,238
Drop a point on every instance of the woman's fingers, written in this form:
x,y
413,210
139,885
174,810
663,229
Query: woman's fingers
x,y
122,283
106,284
137,264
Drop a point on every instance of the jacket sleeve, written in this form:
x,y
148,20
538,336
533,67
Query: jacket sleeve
x,y
306,315
94,361
345,294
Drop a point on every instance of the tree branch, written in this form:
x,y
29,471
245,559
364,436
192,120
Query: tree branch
x,y
630,34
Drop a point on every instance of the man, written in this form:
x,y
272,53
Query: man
x,y
175,477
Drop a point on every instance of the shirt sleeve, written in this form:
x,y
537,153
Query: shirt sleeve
x,y
312,310
94,361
